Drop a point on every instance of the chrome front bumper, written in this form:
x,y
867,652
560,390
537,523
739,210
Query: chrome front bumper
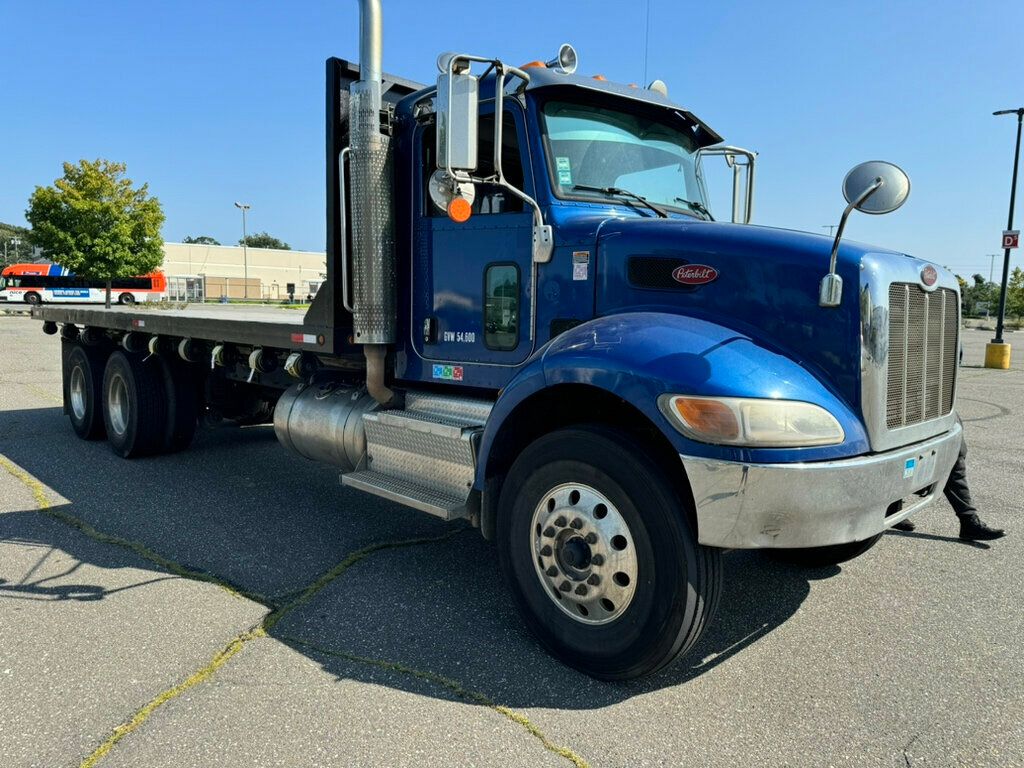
x,y
814,504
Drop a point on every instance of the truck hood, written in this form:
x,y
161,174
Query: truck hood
x,y
760,281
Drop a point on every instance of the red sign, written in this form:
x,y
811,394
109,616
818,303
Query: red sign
x,y
1011,238
929,275
694,274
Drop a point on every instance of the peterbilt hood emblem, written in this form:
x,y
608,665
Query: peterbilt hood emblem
x,y
929,275
694,274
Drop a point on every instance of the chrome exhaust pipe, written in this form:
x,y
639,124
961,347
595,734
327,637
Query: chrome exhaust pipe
x,y
374,315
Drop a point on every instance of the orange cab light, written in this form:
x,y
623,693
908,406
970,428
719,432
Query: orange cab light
x,y
708,417
533,64
600,77
459,210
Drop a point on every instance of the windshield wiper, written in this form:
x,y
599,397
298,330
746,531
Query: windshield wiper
x,y
698,207
626,193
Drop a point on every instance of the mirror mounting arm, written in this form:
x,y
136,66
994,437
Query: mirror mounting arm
x,y
830,290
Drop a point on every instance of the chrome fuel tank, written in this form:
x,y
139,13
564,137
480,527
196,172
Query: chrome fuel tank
x,y
324,422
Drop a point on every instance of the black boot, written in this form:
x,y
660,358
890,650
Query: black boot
x,y
972,529
904,525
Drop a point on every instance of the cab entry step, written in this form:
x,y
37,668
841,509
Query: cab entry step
x,y
408,493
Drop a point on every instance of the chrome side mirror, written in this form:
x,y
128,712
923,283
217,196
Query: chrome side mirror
x,y
458,96
875,187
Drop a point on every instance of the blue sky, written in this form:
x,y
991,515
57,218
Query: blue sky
x,y
214,102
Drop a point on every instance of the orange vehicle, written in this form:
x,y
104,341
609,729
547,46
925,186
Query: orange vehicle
x,y
49,283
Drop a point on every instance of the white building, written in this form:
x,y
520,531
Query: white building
x,y
195,272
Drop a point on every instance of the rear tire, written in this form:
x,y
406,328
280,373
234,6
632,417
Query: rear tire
x,y
134,405
83,385
588,518
182,403
820,557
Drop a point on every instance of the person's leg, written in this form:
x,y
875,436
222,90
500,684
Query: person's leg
x,y
958,493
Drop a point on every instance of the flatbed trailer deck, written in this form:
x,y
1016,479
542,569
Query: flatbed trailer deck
x,y
257,326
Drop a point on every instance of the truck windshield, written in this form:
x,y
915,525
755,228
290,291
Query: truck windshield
x,y
591,149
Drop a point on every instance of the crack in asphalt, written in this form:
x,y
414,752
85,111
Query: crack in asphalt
x,y
474,697
277,612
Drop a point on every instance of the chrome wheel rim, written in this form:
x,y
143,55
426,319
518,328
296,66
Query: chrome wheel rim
x,y
77,392
117,404
584,553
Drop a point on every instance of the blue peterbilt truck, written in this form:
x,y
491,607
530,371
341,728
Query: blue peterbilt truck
x,y
532,322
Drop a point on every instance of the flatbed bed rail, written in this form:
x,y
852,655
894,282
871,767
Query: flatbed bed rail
x,y
256,326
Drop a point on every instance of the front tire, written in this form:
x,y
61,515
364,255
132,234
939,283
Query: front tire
x,y
83,385
33,298
126,298
599,554
134,405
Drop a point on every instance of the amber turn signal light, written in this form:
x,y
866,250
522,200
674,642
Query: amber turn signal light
x,y
459,210
709,417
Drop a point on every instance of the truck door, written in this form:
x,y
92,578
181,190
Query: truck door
x,y
471,298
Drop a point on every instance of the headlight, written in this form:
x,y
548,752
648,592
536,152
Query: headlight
x,y
755,423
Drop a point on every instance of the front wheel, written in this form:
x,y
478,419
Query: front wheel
x,y
596,546
125,298
33,298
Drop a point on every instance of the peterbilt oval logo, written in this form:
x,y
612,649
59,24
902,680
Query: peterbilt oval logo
x,y
929,275
694,274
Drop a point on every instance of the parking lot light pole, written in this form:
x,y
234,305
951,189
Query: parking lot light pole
x,y
243,207
997,354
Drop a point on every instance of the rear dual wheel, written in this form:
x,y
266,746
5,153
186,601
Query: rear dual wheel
x,y
600,556
150,405
83,383
134,405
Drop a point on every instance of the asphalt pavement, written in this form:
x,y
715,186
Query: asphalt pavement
x,y
233,605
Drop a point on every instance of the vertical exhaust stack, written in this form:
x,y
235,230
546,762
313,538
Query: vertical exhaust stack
x,y
373,246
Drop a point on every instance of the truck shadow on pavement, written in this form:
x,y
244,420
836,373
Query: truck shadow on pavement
x,y
239,508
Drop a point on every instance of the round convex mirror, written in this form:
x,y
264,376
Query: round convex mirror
x,y
887,198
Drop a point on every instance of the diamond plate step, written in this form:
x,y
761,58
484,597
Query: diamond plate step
x,y
408,493
418,421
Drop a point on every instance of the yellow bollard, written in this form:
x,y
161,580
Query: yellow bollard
x,y
997,355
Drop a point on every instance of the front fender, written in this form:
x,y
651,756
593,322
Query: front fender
x,y
642,355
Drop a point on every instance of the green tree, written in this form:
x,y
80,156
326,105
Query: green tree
x,y
263,240
1015,293
201,240
94,222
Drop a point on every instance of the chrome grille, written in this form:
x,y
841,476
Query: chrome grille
x,y
923,348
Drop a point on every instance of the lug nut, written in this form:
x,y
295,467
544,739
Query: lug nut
x,y
560,521
565,586
597,560
577,524
549,532
591,538
551,571
594,580
545,551
581,590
